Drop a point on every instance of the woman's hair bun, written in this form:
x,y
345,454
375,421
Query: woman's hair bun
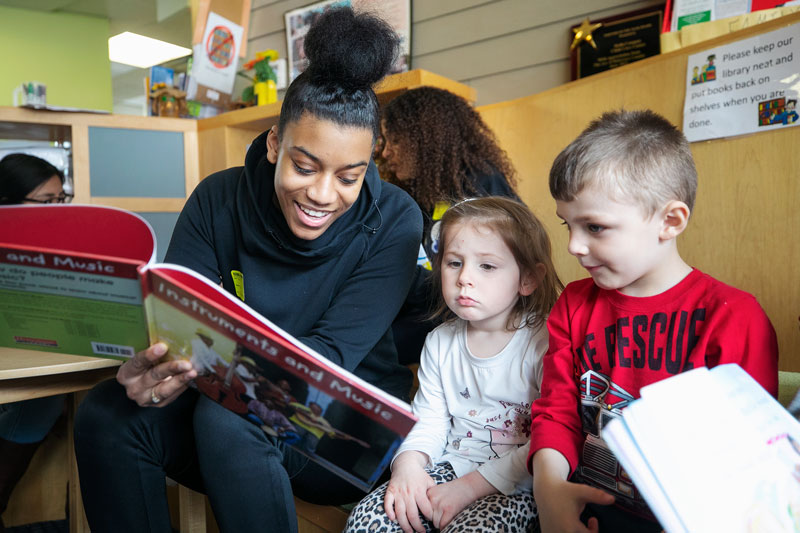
x,y
352,50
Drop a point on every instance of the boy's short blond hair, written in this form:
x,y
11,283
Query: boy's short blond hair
x,y
637,155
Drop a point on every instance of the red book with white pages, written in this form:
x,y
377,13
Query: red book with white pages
x,y
82,280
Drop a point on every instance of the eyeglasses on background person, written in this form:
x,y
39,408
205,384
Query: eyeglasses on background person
x,y
62,198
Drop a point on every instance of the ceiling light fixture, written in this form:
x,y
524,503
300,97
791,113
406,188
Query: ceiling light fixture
x,y
143,52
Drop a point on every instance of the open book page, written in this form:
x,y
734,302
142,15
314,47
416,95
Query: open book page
x,y
634,462
723,451
251,367
68,279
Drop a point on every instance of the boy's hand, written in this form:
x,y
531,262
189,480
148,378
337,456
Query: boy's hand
x,y
449,499
406,494
561,503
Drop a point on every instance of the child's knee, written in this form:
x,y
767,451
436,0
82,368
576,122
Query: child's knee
x,y
369,514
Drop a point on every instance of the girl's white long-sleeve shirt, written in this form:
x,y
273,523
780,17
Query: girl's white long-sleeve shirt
x,y
475,412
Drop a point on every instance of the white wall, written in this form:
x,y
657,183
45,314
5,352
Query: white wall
x,y
506,49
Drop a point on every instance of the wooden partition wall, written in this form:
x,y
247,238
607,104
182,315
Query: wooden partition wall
x,y
744,228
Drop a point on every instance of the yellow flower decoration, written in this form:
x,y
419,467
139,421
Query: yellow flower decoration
x,y
270,55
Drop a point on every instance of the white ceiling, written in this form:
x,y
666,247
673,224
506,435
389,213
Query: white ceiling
x,y
168,20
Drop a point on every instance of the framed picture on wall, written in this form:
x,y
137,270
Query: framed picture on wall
x,y
396,12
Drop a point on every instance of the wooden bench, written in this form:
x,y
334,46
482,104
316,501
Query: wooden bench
x,y
195,515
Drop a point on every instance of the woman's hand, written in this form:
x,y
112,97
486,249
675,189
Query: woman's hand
x,y
150,384
406,494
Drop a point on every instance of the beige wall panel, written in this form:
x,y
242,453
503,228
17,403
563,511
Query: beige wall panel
x,y
743,229
507,52
269,19
262,3
488,21
477,42
428,9
275,41
503,53
519,82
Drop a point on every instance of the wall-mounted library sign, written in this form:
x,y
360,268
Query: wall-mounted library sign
x,y
744,87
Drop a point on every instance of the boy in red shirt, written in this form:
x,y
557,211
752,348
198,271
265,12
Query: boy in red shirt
x,y
625,189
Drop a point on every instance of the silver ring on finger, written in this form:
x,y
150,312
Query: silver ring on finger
x,y
155,398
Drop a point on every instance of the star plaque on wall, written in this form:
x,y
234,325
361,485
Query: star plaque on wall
x,y
602,44
584,33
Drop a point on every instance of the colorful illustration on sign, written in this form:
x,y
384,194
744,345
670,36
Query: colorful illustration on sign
x,y
708,72
787,115
220,47
769,110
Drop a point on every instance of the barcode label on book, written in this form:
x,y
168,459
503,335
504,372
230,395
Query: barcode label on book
x,y
112,349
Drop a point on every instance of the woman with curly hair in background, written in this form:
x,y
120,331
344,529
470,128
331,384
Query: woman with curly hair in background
x,y
436,147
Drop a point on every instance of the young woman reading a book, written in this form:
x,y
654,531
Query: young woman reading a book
x,y
314,237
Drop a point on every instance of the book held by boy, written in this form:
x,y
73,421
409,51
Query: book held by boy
x,y
82,280
711,450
